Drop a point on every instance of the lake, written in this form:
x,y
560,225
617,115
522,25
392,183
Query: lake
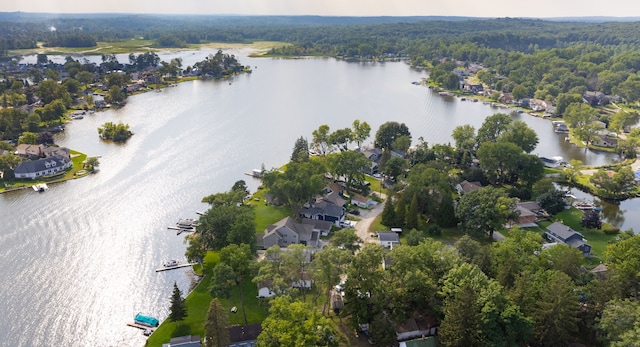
x,y
80,259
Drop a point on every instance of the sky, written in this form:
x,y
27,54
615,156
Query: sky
x,y
467,8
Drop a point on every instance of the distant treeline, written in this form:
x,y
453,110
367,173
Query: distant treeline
x,y
312,34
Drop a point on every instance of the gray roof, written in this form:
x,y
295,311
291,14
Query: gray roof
x,y
39,165
242,333
185,341
562,231
318,224
385,236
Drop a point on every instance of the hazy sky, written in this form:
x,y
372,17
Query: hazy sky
x,y
472,8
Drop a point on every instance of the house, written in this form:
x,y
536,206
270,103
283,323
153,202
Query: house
x,y
30,151
53,151
600,271
466,186
41,167
374,155
605,140
362,201
558,232
324,210
506,98
305,281
333,197
529,212
287,232
417,326
595,98
184,341
244,335
321,226
388,238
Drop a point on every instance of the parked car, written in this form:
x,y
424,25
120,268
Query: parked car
x,y
354,212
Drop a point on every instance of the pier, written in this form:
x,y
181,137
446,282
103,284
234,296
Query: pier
x,y
174,267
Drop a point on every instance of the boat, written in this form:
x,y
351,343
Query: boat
x,y
584,205
41,187
187,223
146,320
171,263
561,128
552,162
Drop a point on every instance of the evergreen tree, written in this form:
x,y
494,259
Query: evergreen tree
x,y
388,217
216,330
401,212
412,217
178,307
300,151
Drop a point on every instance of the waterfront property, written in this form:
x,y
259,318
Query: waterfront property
x,y
560,233
288,232
42,167
184,341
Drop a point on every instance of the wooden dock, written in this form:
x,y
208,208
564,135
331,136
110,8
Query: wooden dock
x,y
175,267
140,326
180,230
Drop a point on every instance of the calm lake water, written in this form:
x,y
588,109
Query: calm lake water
x,y
80,258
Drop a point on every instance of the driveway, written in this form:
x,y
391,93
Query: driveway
x,y
366,218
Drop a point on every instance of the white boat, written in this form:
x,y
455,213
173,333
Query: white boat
x,y
553,161
171,263
41,187
584,205
187,223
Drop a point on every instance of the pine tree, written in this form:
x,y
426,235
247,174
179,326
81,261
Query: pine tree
x,y
388,217
178,307
413,214
216,330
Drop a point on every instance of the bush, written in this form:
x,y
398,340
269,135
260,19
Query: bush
x,y
610,229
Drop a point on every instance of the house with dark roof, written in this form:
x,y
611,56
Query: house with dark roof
x,y
321,226
466,186
374,155
287,231
42,167
244,335
529,212
324,210
558,232
184,341
595,98
388,238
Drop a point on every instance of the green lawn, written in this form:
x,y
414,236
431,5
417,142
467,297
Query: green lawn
x,y
266,214
198,304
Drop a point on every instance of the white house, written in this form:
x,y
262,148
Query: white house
x,y
388,239
41,167
362,202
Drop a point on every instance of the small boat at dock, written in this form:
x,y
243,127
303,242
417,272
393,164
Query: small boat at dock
x,y
171,263
41,187
187,223
584,205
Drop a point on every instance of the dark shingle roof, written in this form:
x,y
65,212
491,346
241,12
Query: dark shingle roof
x,y
239,333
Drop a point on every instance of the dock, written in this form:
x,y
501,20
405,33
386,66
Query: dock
x,y
175,267
141,327
180,230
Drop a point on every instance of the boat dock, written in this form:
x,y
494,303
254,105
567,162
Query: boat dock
x,y
180,230
175,267
140,326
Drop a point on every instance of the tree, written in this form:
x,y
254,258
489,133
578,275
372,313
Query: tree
x,y
297,185
500,160
178,309
587,133
340,139
464,137
300,151
216,332
485,210
619,323
552,201
28,138
117,132
492,127
91,163
223,280
514,255
388,216
116,95
519,133
564,259
579,114
8,162
395,167
320,139
328,266
472,252
295,323
591,220
348,165
519,92
238,258
477,312
85,77
389,132
361,131
548,297
347,239
623,262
